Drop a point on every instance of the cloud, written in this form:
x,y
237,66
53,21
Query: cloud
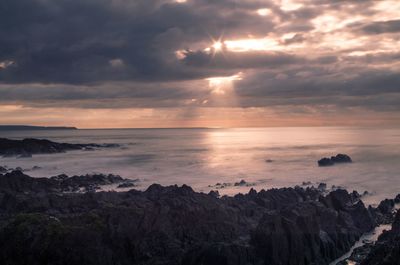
x,y
73,42
157,53
380,27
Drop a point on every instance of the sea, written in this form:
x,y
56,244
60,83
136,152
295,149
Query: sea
x,y
219,159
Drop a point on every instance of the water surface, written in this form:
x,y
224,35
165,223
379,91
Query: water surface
x,y
265,157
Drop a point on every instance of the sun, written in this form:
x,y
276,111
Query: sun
x,y
217,46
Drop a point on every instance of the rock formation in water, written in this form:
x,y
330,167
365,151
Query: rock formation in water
x,y
339,158
174,225
29,147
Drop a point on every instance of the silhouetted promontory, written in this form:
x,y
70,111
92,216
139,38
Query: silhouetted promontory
x,y
33,128
28,147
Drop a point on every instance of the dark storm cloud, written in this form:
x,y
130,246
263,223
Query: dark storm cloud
x,y
64,41
308,86
379,27
110,95
122,53
308,82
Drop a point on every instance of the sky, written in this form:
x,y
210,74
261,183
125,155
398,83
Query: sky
x,y
200,63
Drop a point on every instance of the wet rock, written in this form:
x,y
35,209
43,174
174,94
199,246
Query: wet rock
x,y
126,185
359,254
386,250
25,155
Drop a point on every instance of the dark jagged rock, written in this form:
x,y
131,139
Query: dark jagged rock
x,y
126,185
3,170
325,162
339,158
28,147
241,183
383,214
214,194
174,225
386,206
17,181
322,186
397,199
386,250
88,182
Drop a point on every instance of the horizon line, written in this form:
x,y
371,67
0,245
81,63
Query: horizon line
x,y
67,127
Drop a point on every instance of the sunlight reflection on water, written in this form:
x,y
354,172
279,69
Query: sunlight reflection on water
x,y
267,157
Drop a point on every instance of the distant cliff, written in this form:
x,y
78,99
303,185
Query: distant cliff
x,y
28,127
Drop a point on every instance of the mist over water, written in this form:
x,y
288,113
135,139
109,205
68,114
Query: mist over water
x,y
265,157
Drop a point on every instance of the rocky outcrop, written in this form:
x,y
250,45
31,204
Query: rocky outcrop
x,y
339,158
387,250
175,225
29,147
383,215
18,182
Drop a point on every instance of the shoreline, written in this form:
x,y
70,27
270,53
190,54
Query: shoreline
x,y
286,209
311,223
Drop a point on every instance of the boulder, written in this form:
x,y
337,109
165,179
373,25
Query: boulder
x,y
339,158
325,162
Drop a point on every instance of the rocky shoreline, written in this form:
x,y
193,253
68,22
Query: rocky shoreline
x,y
43,222
28,147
